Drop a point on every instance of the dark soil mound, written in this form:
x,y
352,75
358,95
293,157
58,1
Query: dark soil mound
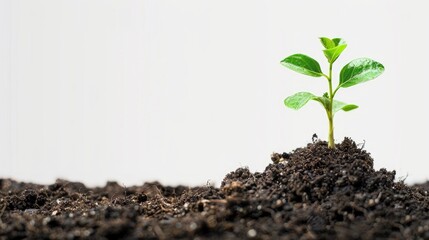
x,y
311,193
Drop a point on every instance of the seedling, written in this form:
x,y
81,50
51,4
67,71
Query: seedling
x,y
357,71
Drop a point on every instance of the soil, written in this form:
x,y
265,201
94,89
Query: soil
x,y
309,193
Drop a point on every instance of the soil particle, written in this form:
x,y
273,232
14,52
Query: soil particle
x,y
309,193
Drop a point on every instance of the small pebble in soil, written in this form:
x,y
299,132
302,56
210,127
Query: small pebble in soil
x,y
193,226
46,220
31,211
251,233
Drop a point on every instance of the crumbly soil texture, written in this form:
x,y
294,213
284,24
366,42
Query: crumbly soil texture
x,y
309,193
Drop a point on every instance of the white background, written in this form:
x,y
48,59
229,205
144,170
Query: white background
x,y
186,91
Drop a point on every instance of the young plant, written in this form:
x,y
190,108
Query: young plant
x,y
357,71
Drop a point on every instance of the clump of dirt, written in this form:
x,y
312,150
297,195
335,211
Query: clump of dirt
x,y
310,193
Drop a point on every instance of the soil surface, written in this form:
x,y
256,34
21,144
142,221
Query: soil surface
x,y
310,193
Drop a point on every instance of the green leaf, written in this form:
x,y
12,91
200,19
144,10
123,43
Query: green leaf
x,y
298,100
303,64
349,107
333,53
334,47
337,106
358,71
327,42
338,41
324,100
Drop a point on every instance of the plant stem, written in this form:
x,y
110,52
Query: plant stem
x,y
331,142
